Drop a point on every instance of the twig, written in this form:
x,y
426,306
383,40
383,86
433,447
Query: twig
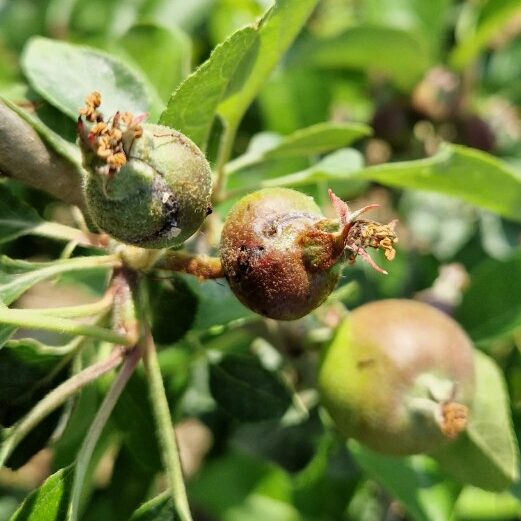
x,y
200,266
26,157
165,431
30,319
96,428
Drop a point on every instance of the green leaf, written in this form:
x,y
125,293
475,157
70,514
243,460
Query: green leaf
x,y
254,490
276,31
130,484
16,217
475,504
395,52
17,276
296,97
216,304
248,391
50,501
192,107
466,173
141,442
309,141
427,20
414,481
5,333
494,17
236,70
342,164
486,455
491,306
84,407
318,139
163,54
174,307
26,376
160,508
64,74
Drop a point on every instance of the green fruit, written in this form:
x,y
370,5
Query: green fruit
x,y
146,185
263,257
398,377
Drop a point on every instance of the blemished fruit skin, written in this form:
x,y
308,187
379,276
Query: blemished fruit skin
x,y
392,372
159,197
264,260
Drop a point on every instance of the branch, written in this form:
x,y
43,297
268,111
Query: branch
x,y
200,266
26,157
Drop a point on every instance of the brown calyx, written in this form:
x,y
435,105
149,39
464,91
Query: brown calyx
x,y
454,419
107,139
325,248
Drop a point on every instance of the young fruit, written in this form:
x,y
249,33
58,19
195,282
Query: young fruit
x,y
146,185
398,377
282,257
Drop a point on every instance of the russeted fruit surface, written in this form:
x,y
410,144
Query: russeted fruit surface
x,y
146,185
398,377
282,257
263,257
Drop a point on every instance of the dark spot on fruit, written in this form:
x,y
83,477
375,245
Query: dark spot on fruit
x,y
365,363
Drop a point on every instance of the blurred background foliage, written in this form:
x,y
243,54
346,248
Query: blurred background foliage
x,y
413,74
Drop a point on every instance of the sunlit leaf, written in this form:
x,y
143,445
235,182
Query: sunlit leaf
x,y
339,165
276,31
64,74
231,78
465,173
477,504
17,276
255,490
50,501
192,107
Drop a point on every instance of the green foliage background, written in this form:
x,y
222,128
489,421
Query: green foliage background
x,y
339,109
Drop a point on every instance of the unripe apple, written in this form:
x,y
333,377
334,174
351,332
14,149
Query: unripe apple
x,y
398,377
146,185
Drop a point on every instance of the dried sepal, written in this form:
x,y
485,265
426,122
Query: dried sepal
x,y
454,419
324,248
110,140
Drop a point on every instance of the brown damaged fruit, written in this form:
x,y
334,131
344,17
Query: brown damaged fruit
x,y
282,257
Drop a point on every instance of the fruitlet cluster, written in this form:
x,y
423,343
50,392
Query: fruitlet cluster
x,y
399,375
150,186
